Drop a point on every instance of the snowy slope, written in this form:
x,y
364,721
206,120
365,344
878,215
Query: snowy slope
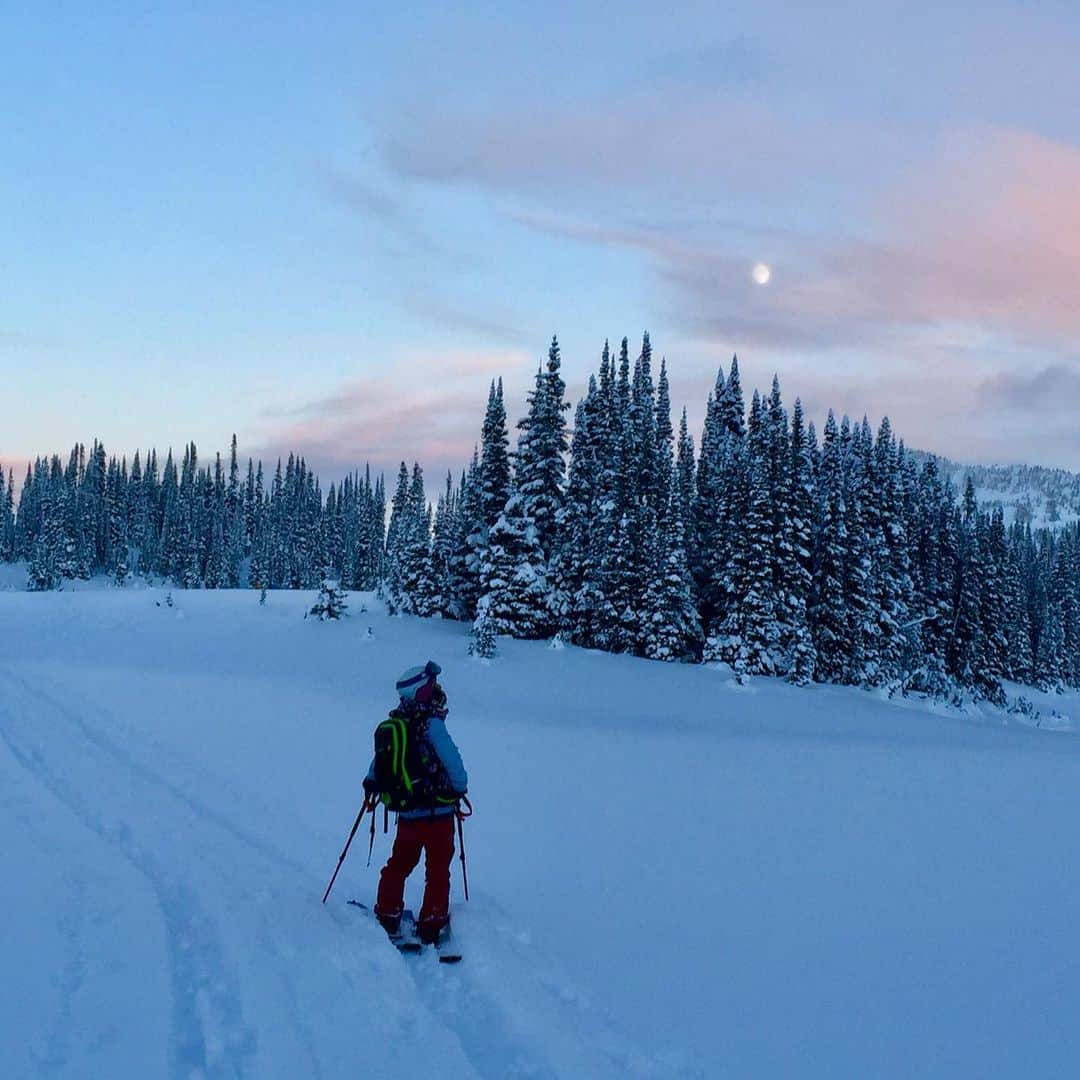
x,y
671,875
1044,497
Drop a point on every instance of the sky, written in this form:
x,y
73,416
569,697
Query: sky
x,y
327,227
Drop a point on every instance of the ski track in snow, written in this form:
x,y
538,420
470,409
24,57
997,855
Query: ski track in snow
x,y
552,1030
549,1032
543,1029
71,976
209,1035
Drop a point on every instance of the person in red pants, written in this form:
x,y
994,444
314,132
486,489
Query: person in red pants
x,y
418,772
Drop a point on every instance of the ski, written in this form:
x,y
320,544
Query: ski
x,y
409,941
446,949
406,940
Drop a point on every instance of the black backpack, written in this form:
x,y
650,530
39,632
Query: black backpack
x,y
408,772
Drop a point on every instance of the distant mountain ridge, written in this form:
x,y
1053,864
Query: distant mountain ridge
x,y
1044,497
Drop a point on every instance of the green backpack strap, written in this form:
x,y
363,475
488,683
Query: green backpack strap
x,y
399,741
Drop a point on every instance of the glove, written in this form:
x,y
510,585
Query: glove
x,y
369,787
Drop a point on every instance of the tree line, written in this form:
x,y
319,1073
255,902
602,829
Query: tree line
x,y
843,558
196,526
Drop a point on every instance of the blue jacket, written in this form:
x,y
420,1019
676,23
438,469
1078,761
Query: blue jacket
x,y
450,757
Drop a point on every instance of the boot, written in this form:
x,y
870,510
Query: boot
x,y
431,930
390,923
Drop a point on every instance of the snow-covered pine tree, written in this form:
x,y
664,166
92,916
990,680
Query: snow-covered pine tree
x,y
137,516
594,490
168,549
801,656
751,633
332,601
397,536
73,556
891,585
641,496
708,515
1050,655
539,472
1020,663
369,558
491,493
72,546
540,469
939,556
665,448
215,574
43,572
494,458
573,565
856,448
259,559
249,507
463,590
585,528
28,519
722,550
332,530
673,631
149,517
5,548
671,628
514,586
1058,640
91,513
964,653
117,515
993,600
444,531
513,583
791,632
419,591
618,619
685,466
7,517
188,572
482,638
234,521
827,612
867,554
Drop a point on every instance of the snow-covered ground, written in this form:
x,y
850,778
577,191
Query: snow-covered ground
x,y
671,875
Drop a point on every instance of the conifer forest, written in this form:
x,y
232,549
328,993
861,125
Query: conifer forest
x,y
834,557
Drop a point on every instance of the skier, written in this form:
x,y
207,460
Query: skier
x,y
421,776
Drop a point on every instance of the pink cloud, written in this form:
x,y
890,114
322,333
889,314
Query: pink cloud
x,y
987,234
16,465
985,231
430,409
466,363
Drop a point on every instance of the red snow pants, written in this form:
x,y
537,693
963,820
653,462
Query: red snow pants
x,y
435,837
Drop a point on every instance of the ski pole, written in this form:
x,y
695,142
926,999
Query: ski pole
x,y
371,842
345,850
461,816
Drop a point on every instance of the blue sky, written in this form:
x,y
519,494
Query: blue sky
x,y
327,227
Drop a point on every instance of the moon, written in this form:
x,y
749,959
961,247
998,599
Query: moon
x,y
761,273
